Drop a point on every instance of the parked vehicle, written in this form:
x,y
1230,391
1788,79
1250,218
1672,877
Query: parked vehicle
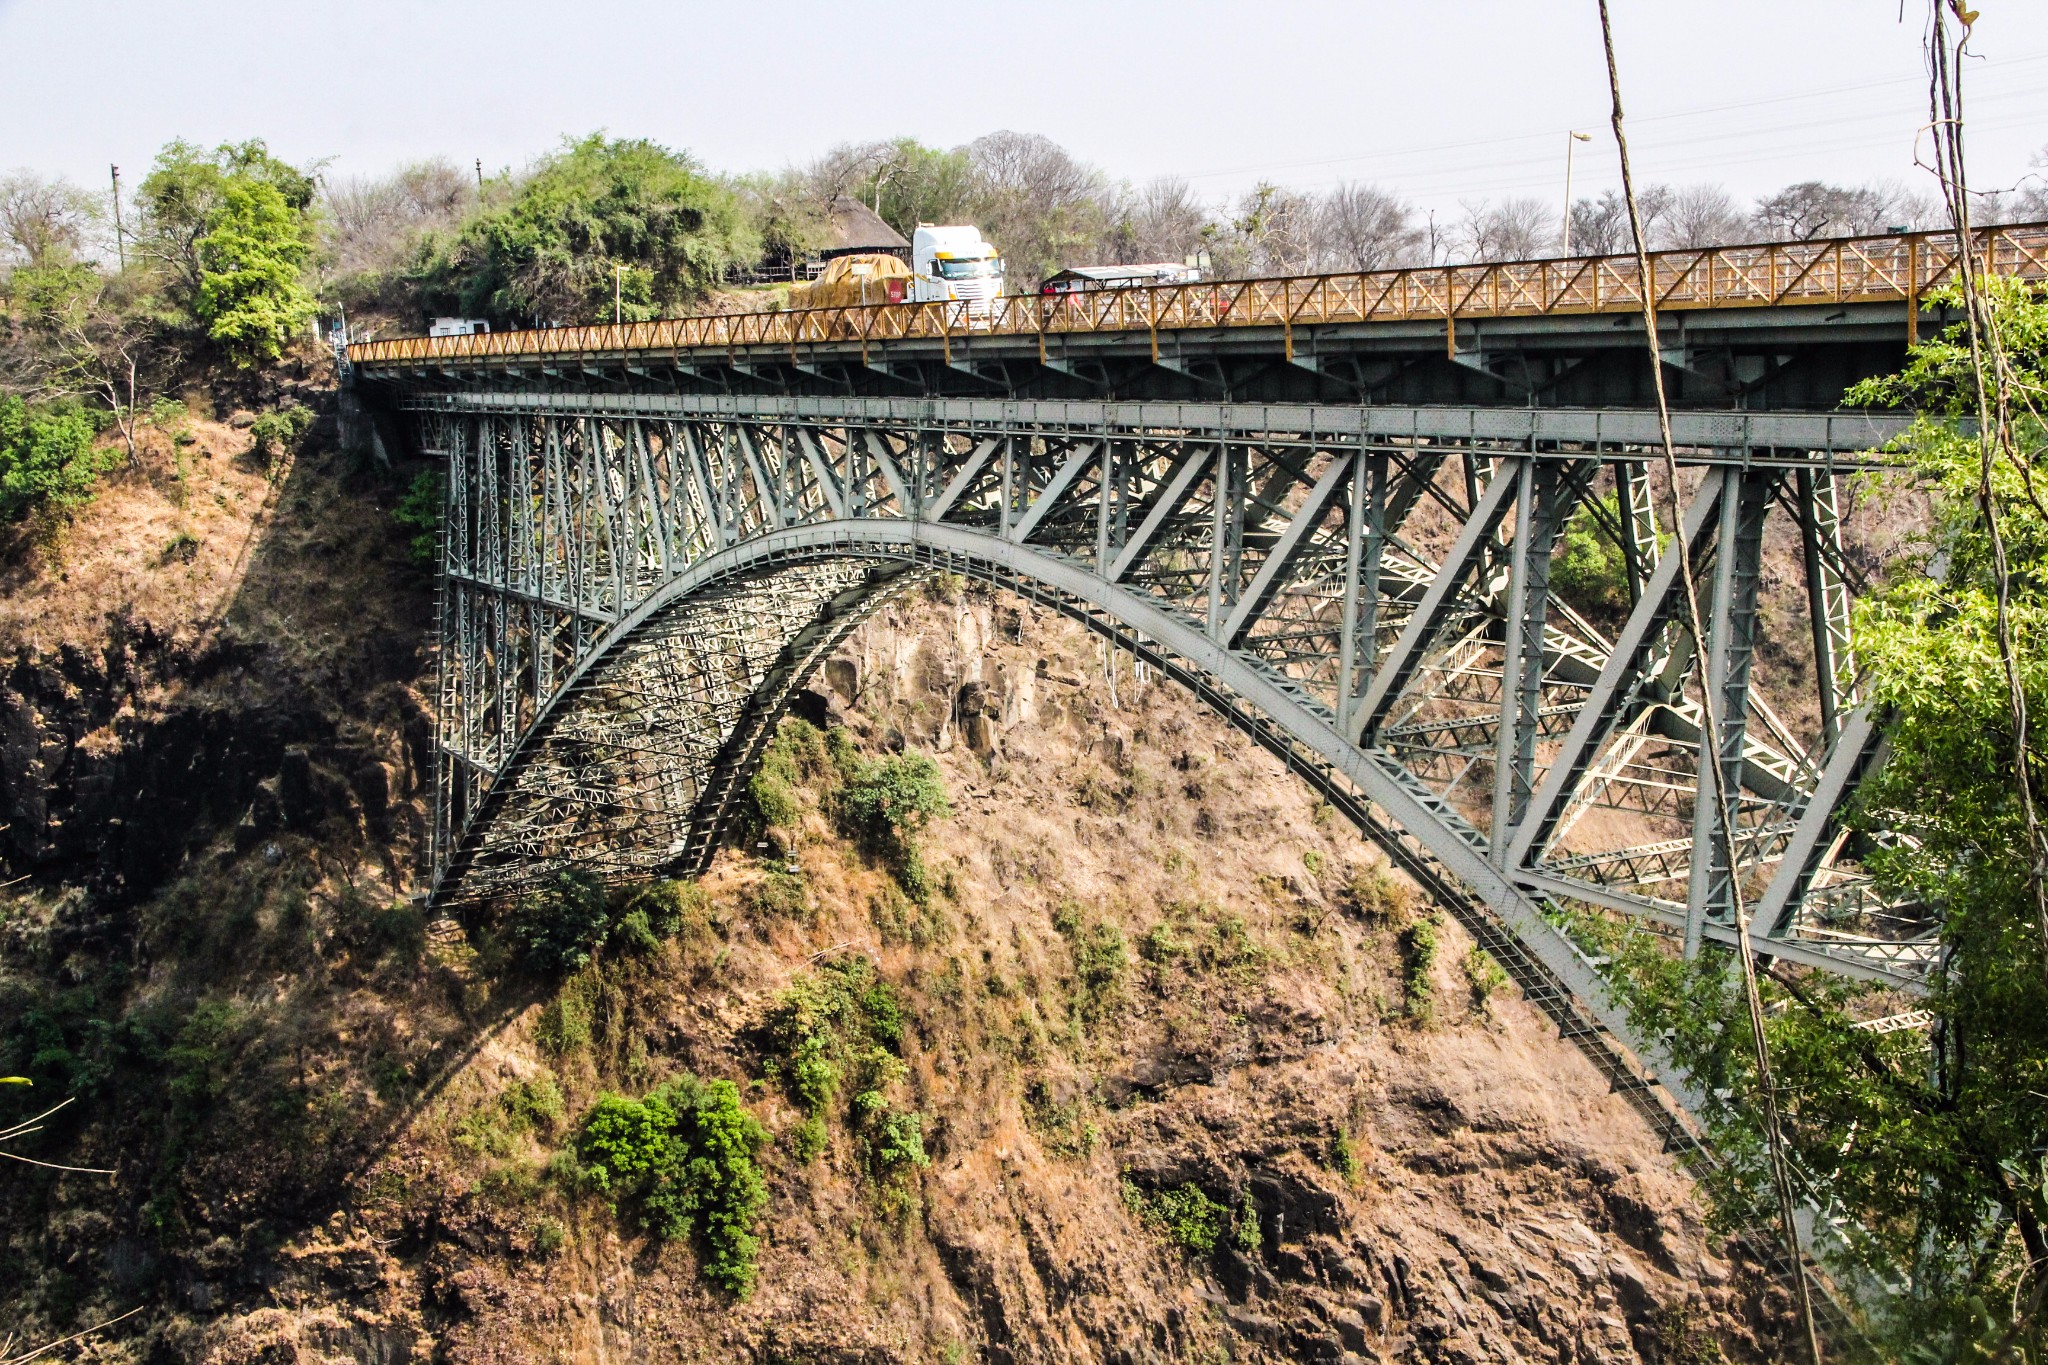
x,y
1084,278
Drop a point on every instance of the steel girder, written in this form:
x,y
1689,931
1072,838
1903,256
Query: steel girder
x,y
629,594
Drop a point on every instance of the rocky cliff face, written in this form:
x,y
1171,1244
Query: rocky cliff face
x,y
1152,965
1196,1076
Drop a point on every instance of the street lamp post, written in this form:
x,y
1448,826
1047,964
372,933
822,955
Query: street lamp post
x,y
1569,147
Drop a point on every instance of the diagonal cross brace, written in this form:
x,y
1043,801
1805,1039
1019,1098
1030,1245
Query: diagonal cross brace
x,y
1286,550
1617,682
1436,604
969,472
1179,484
1858,750
1083,453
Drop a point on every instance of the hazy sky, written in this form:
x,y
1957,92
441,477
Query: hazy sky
x,y
1448,100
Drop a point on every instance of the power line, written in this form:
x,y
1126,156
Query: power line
x,y
1550,134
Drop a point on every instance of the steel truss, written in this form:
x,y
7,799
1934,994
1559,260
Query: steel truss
x,y
633,587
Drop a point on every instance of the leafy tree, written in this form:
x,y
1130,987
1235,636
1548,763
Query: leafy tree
x,y
1930,1142
895,796
918,184
419,512
47,459
683,1157
183,196
43,220
251,296
1589,569
560,926
599,211
91,334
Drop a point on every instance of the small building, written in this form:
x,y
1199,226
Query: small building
x,y
1082,278
857,230
458,327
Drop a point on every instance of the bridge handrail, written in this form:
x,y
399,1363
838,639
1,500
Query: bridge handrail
x,y
1901,266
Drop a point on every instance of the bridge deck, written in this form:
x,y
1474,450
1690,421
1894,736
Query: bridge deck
x,y
1897,268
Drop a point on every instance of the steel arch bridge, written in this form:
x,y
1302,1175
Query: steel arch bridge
x,y
634,585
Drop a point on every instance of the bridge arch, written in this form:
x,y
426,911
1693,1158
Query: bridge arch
x,y
840,572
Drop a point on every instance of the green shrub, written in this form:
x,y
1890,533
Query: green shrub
x,y
549,1236
895,796
826,1022
782,895
797,757
892,1138
1375,893
1161,945
420,511
1418,955
1483,974
808,1139
887,802
841,1029
560,926
633,932
682,1159
535,1104
565,1021
1183,1212
279,431
1588,569
1246,1238
1344,1154
525,1107
47,459
1101,958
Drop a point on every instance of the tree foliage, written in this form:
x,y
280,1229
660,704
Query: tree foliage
x,y
1930,1143
251,258
183,198
896,796
598,214
47,458
683,1159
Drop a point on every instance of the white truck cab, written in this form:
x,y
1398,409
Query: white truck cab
x,y
955,264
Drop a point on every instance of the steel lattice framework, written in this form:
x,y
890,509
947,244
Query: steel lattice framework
x,y
634,585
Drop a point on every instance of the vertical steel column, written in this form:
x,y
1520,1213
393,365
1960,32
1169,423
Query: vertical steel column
x,y
1820,537
1639,547
1006,509
1108,472
1354,563
1731,647
1219,524
1513,663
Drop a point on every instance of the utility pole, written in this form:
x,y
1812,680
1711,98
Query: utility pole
x,y
1570,144
479,178
120,246
618,291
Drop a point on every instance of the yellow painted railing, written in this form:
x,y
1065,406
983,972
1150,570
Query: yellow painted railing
x,y
1898,266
